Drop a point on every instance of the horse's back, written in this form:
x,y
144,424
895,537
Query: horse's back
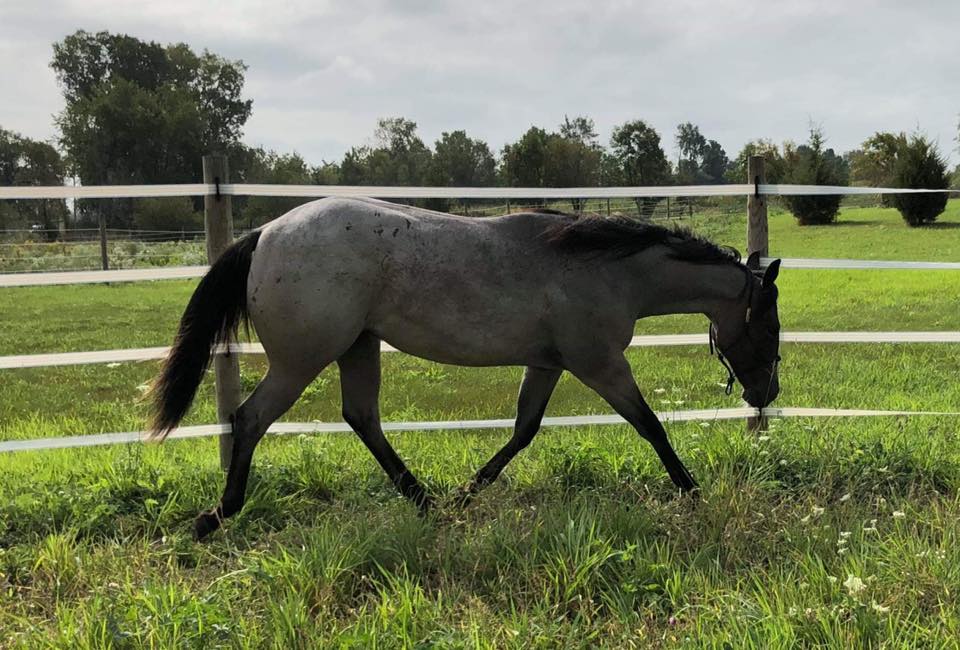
x,y
450,288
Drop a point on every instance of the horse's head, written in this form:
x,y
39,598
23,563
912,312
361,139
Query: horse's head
x,y
748,337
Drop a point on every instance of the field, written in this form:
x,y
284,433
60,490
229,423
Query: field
x,y
819,532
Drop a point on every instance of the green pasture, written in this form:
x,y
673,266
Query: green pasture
x,y
816,533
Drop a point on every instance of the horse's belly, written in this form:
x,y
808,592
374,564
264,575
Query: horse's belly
x,y
490,347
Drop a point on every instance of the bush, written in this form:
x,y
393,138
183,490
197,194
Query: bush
x,y
920,165
166,214
811,164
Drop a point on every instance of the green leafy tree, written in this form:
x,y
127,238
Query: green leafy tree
x,y
397,157
713,164
573,157
872,165
814,164
140,112
460,161
28,162
641,160
581,129
277,169
690,146
522,162
167,213
774,163
919,165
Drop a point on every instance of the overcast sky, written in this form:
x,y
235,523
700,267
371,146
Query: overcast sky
x,y
321,73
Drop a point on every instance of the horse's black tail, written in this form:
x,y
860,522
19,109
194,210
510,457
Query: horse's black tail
x,y
213,314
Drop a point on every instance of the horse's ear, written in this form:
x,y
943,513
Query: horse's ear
x,y
753,262
770,275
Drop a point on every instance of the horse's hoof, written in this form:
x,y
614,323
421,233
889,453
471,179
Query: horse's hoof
x,y
464,497
205,523
424,503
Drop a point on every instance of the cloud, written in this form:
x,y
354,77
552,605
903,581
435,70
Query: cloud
x,y
321,73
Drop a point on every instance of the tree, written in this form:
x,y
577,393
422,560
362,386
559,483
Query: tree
x,y
713,164
522,162
919,164
28,162
872,164
139,112
581,129
813,164
690,146
699,161
461,161
774,163
397,157
274,168
641,160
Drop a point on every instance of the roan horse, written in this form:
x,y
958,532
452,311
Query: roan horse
x,y
333,278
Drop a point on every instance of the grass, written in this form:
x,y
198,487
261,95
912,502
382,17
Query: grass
x,y
818,533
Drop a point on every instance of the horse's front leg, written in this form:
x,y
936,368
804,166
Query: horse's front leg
x,y
535,391
611,378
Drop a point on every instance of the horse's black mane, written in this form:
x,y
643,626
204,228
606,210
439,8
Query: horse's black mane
x,y
617,236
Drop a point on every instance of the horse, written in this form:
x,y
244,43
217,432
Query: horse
x,y
331,279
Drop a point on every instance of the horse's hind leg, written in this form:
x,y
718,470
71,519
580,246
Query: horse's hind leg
x,y
360,388
275,393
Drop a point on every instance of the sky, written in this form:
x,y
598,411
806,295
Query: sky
x,y
322,72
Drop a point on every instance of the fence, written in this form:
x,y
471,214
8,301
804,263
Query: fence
x,y
217,193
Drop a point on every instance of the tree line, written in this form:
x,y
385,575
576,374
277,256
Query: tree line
x,y
138,112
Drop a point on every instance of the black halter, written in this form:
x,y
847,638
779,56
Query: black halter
x,y
740,340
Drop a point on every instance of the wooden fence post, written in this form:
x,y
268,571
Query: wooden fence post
x,y
758,239
104,258
218,224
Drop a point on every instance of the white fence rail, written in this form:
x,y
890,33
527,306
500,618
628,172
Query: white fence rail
x,y
401,192
699,415
644,341
186,272
756,189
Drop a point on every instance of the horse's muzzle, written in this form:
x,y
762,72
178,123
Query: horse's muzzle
x,y
763,396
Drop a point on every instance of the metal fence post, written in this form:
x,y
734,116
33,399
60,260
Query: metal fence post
x,y
758,238
218,224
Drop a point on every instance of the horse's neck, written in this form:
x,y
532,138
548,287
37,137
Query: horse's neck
x,y
687,288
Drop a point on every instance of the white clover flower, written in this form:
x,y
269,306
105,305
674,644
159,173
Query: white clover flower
x,y
832,578
899,514
763,438
854,584
817,510
845,497
880,609
844,534
659,391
